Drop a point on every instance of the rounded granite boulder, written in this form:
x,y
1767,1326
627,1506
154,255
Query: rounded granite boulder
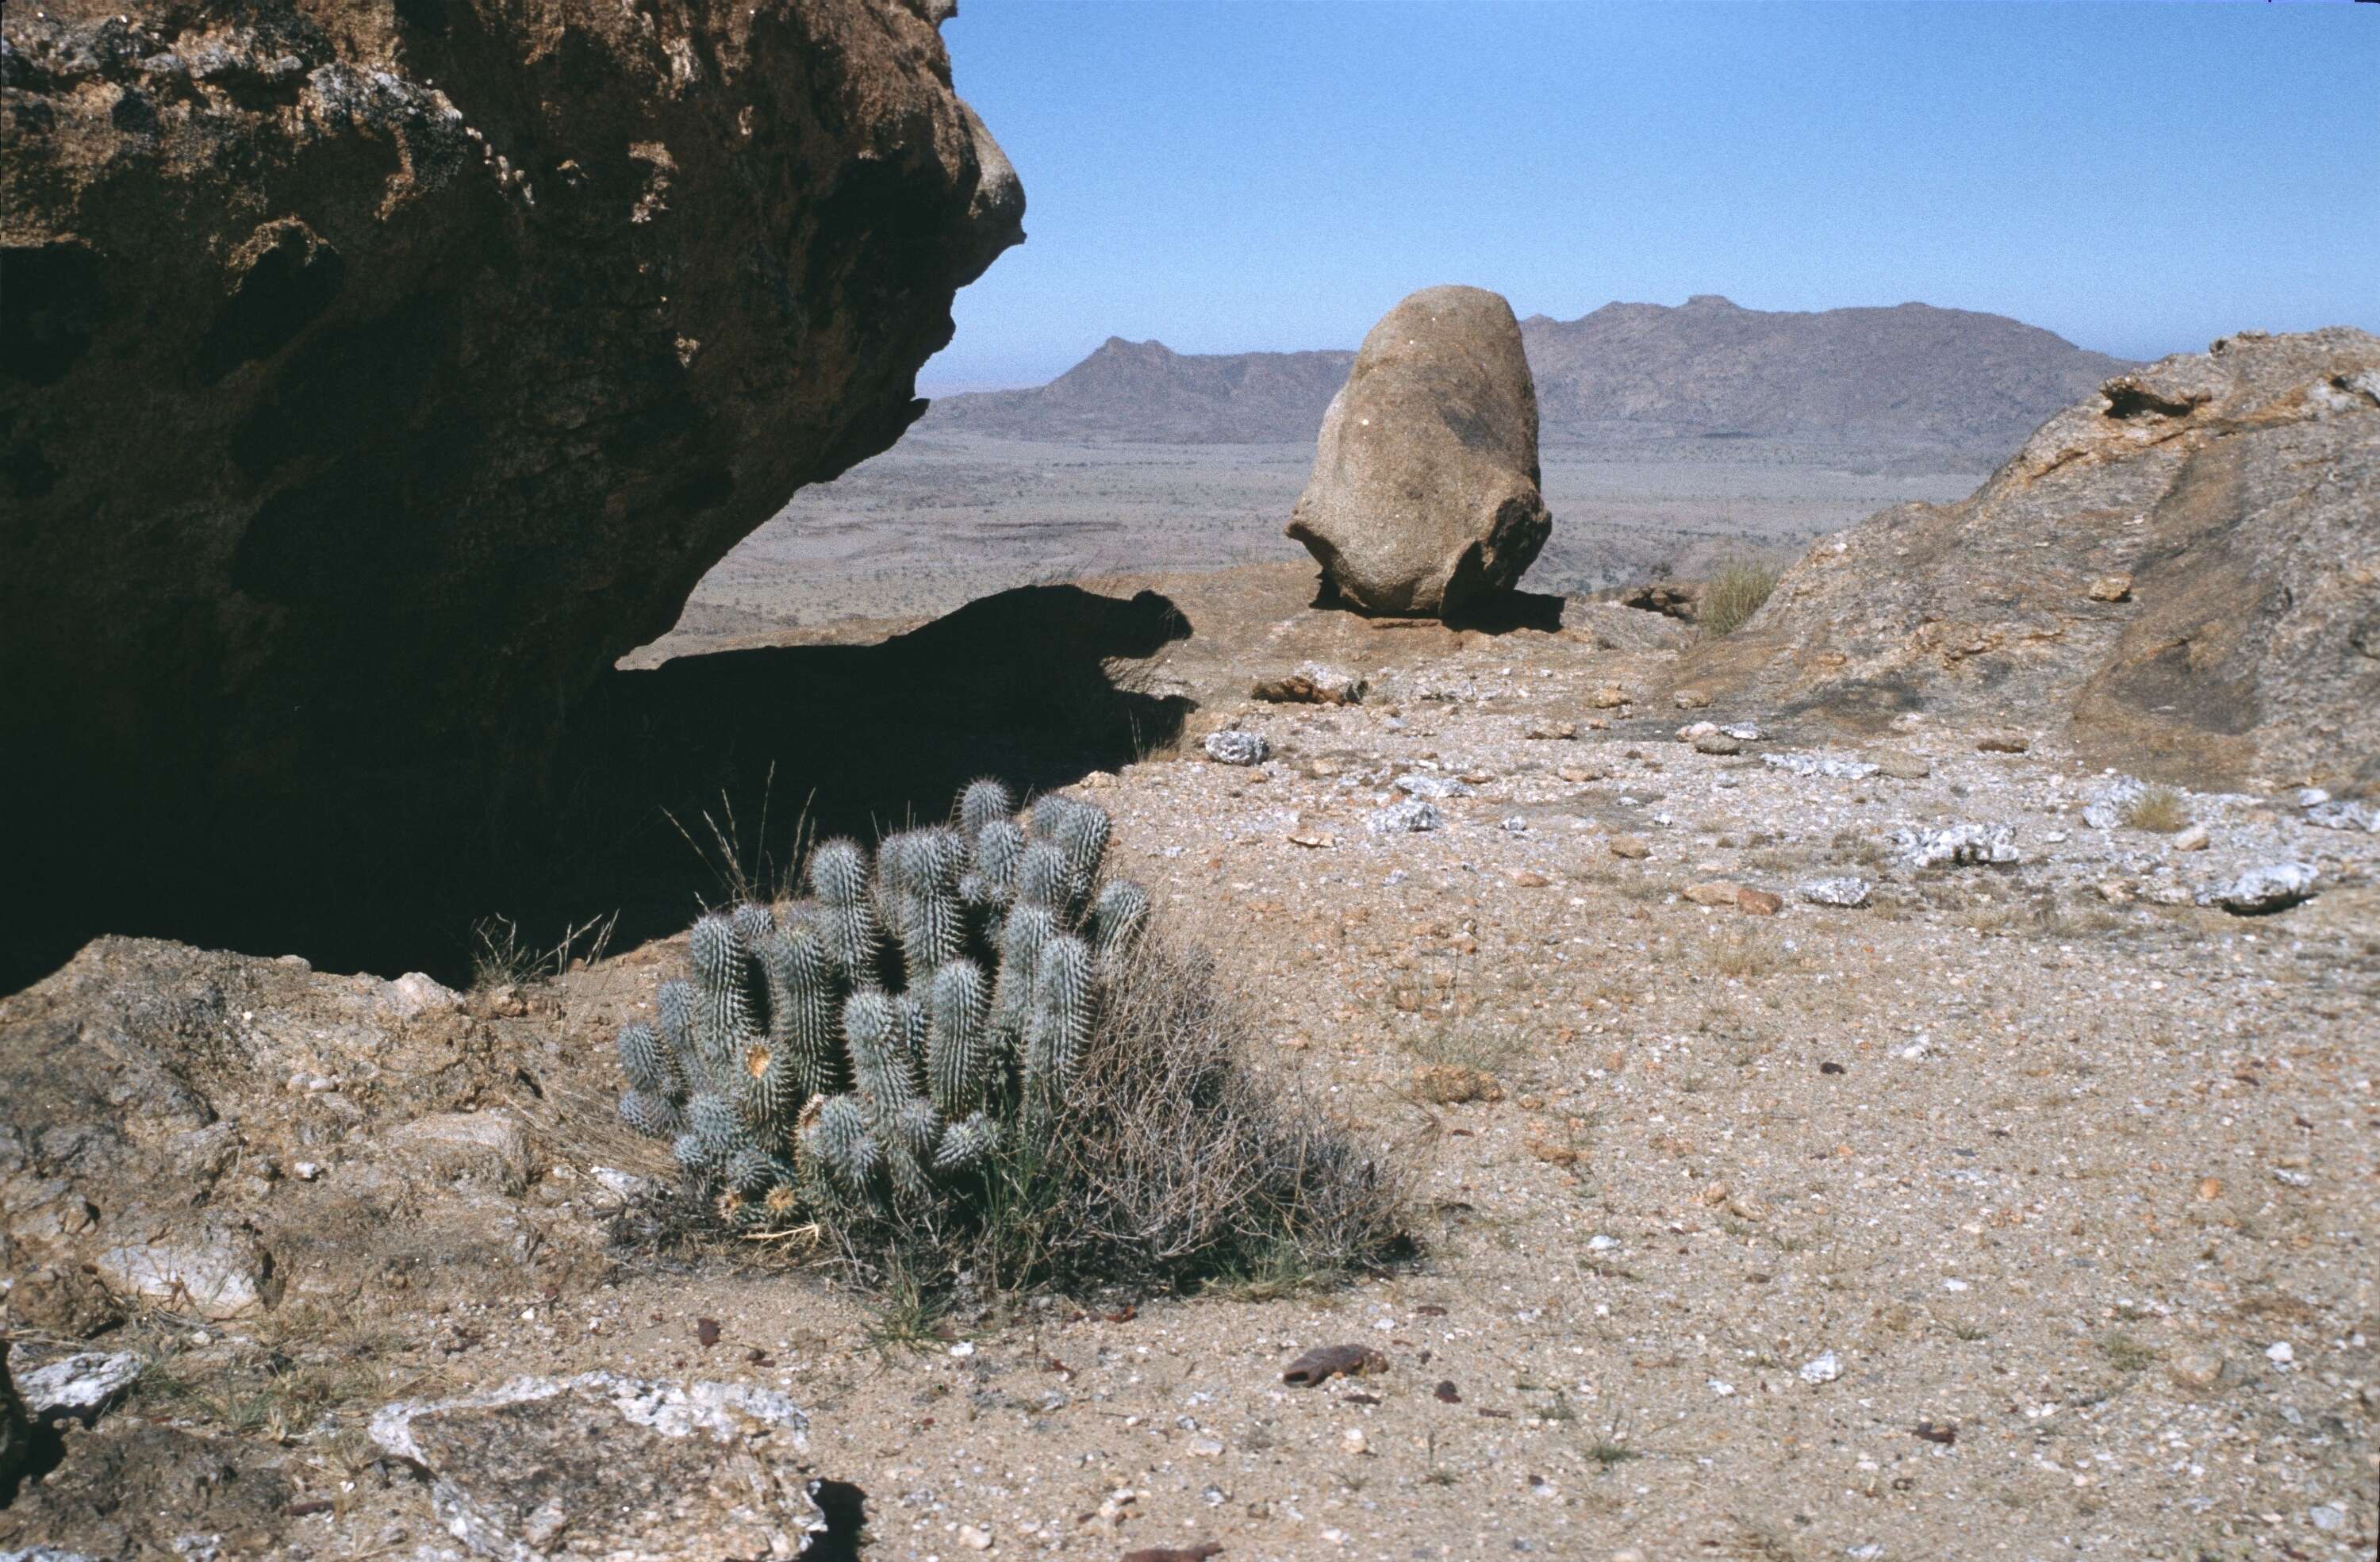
x,y
1425,494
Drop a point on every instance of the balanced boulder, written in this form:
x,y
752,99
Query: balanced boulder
x,y
1424,497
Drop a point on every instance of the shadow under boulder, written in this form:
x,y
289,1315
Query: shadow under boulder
x,y
733,751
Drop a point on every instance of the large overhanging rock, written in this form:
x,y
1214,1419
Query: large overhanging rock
x,y
374,373
1425,493
2179,576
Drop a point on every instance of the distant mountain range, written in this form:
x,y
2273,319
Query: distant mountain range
x,y
1910,381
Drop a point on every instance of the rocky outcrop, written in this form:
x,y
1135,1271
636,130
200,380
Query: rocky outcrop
x,y
1425,495
2231,492
224,1136
374,373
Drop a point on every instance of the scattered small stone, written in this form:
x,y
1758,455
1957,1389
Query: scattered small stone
x,y
2329,1518
1550,731
1823,1368
1758,902
1846,890
1583,773
1312,684
1447,1394
1904,767
1611,697
415,994
1716,892
1959,843
1514,824
2275,887
1232,746
1529,878
974,1538
1410,817
2341,813
1451,1085
1312,839
2281,1353
1326,1362
78,1387
1419,785
1691,699
1353,1440
2193,839
2116,892
1718,742
1807,764
2196,1370
2111,588
222,1274
1631,847
2003,742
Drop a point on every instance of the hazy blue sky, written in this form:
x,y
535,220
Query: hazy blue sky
x,y
1226,177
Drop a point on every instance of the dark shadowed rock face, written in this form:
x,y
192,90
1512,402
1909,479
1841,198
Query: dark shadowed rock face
x,y
15,1436
2180,576
374,372
1424,497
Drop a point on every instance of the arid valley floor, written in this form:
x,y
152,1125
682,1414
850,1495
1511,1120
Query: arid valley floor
x,y
946,517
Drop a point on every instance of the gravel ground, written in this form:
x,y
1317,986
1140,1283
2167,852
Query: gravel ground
x,y
2025,1210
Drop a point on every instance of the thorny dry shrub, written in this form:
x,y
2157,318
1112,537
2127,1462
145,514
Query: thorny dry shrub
x,y
1172,1162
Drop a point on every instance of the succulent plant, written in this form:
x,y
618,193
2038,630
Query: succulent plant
x,y
869,1048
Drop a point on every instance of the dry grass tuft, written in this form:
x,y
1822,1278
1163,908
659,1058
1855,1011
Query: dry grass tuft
x,y
1173,1163
1733,595
2160,810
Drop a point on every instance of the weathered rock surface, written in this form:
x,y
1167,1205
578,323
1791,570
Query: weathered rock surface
x,y
2260,890
374,374
218,1135
609,1466
1425,493
197,1496
2234,490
